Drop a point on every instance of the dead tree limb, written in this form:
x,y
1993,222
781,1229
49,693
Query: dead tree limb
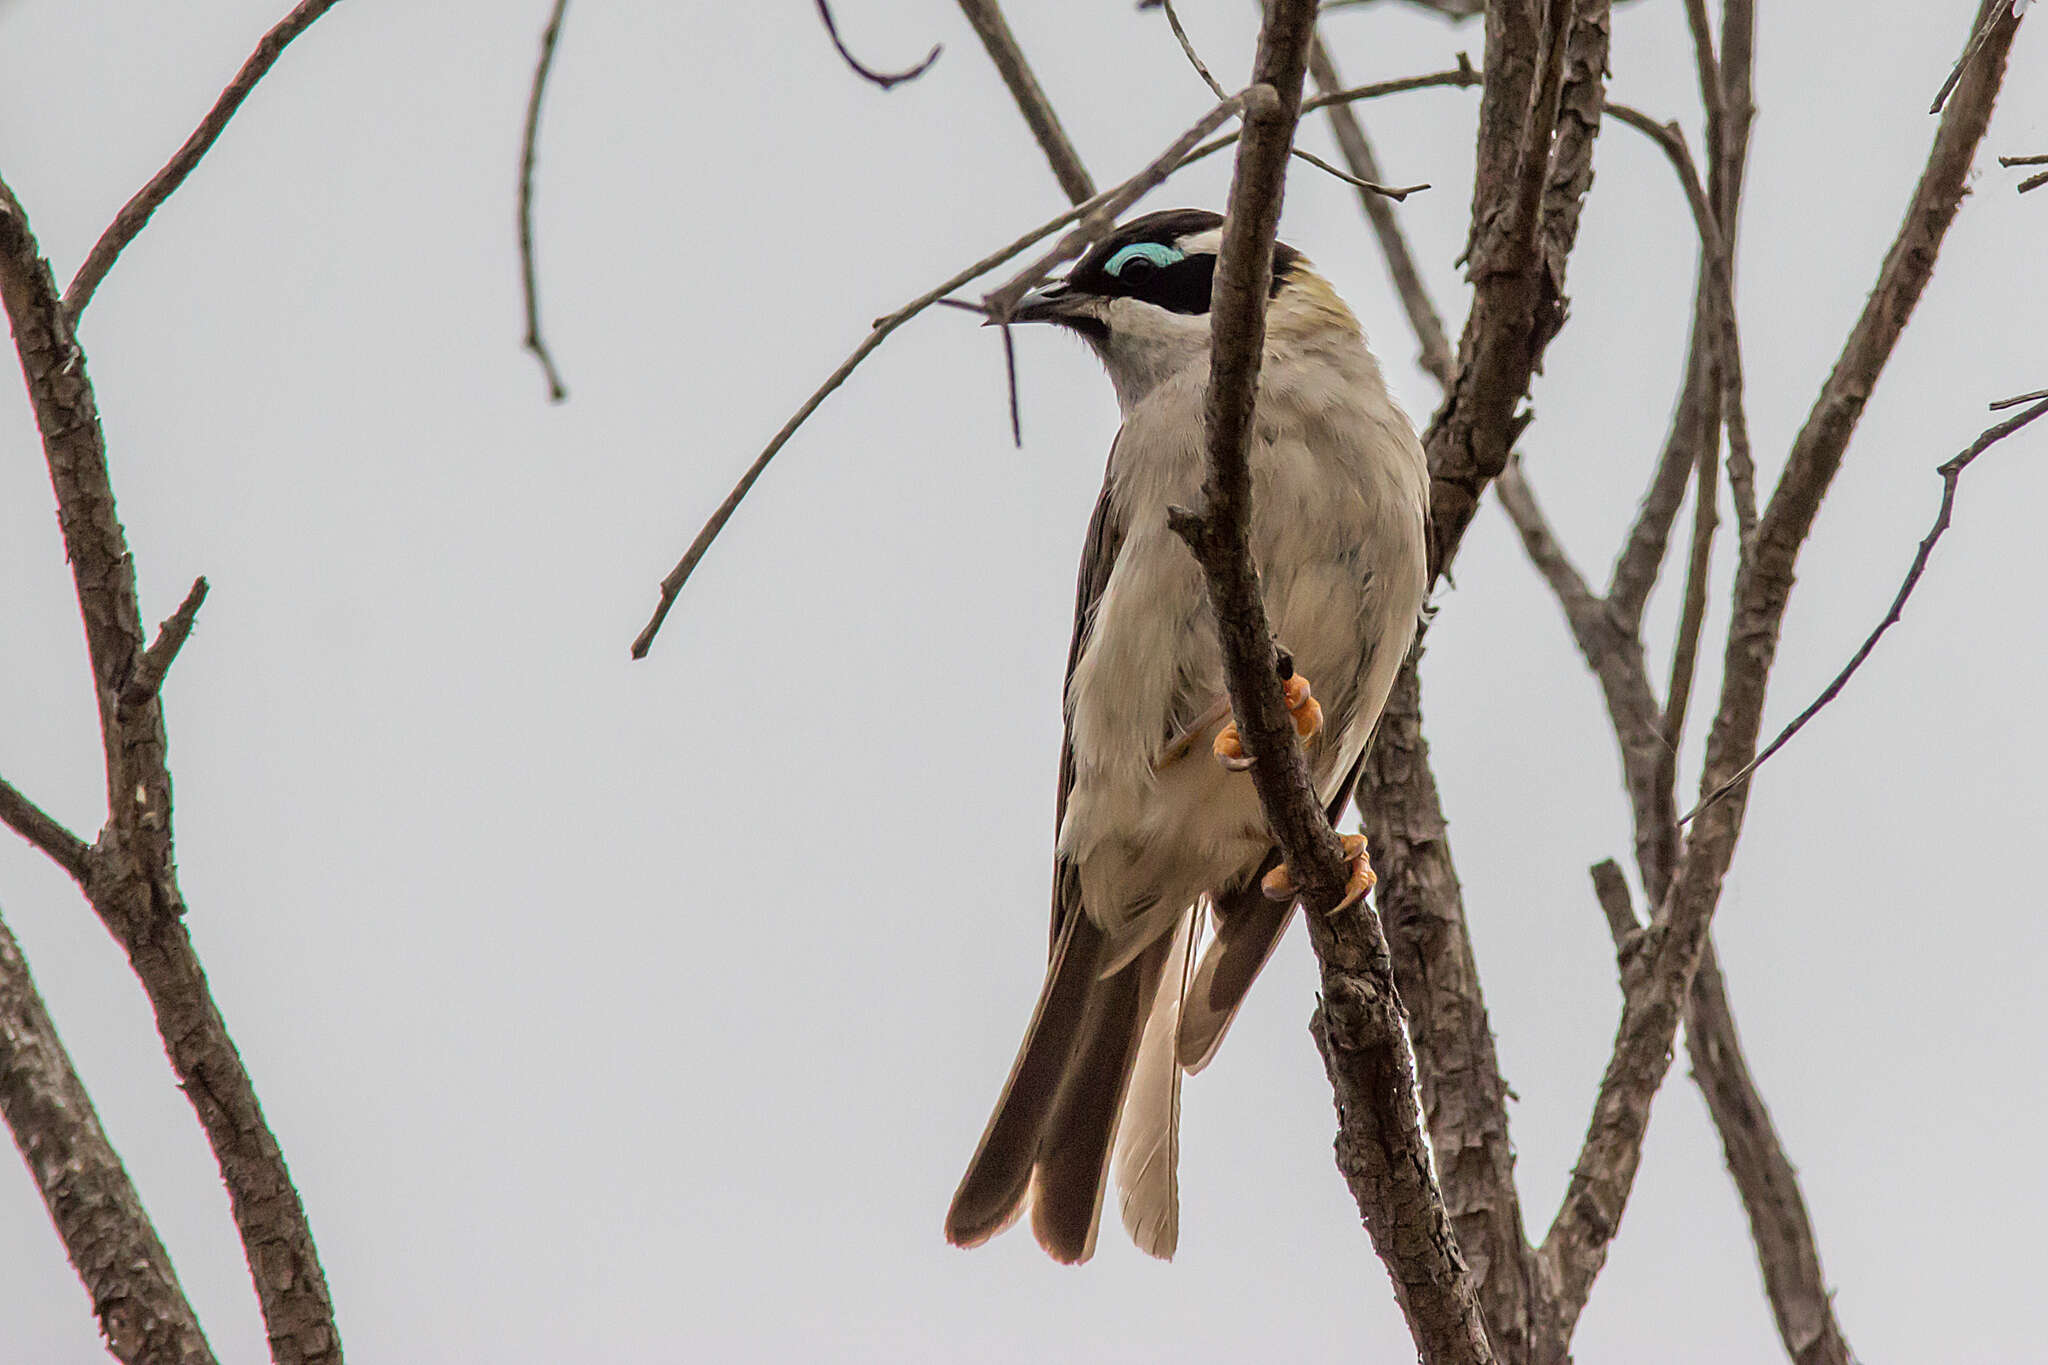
x,y
142,1311
131,875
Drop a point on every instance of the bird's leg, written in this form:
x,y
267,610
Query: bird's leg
x,y
1279,883
1308,718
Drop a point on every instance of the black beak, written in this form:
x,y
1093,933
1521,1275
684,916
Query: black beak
x,y
1048,303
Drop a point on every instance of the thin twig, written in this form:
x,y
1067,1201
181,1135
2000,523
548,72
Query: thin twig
x,y
1074,245
1422,312
45,831
1728,345
877,334
1951,476
2010,161
135,214
1693,613
1394,192
885,79
148,678
2033,182
2017,399
534,342
1962,63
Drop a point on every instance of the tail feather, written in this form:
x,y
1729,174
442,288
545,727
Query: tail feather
x,y
1147,1159
1073,1157
998,1178
1248,928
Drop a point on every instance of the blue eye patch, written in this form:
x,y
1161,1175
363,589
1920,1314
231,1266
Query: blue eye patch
x,y
1154,253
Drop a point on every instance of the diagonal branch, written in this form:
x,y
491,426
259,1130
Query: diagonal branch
x,y
994,31
147,678
135,214
1358,1024
1423,317
1951,477
142,1311
36,825
132,882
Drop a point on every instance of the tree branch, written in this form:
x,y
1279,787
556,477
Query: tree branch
x,y
142,1311
147,679
887,80
1951,477
994,31
1351,142
133,872
1358,1024
529,141
32,823
135,214
1100,214
1603,1176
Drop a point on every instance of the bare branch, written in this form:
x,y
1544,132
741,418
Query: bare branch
x,y
1955,75
1515,311
1692,615
142,1311
1604,1174
994,31
1095,217
32,823
135,214
1610,888
148,678
1694,423
1358,1024
2018,399
133,882
1369,186
1779,1223
885,79
1951,477
1720,277
528,142
1422,313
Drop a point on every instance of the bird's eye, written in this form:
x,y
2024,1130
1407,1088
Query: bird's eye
x,y
1140,259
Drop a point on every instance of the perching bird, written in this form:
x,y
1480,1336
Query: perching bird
x,y
1156,817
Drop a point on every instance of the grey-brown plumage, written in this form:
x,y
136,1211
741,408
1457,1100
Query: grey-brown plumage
x,y
1151,828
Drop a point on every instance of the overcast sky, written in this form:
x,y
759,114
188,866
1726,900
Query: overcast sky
x,y
617,1011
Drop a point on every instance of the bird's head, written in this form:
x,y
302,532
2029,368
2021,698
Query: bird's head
x,y
1140,298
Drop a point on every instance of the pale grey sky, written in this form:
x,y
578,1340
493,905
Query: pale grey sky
x,y
614,1011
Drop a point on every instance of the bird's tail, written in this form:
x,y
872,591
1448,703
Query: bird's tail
x,y
1049,1141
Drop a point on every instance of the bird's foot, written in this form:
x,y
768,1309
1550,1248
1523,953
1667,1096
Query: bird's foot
x,y
1279,883
1308,718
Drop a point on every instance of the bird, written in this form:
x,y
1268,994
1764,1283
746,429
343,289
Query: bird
x,y
1168,891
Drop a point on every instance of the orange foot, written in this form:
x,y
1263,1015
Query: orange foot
x,y
1279,883
1308,718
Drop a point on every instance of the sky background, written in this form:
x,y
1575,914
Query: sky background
x,y
649,1011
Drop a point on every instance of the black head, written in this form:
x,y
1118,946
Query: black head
x,y
1165,259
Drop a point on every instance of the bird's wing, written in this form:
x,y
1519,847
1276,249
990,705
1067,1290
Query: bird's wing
x,y
1098,557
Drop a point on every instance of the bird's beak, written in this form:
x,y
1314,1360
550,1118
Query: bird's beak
x,y
1055,302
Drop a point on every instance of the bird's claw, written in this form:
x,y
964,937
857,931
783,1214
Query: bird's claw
x,y
1279,883
1301,704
